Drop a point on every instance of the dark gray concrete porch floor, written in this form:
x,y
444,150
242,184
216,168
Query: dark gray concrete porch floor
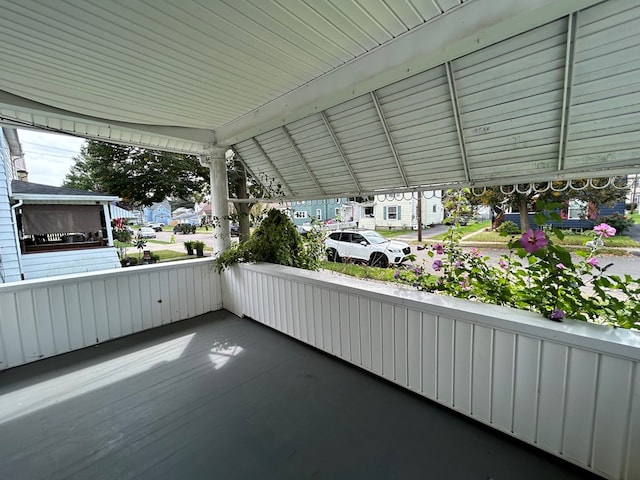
x,y
219,397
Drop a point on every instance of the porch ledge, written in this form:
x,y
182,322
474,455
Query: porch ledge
x,y
619,342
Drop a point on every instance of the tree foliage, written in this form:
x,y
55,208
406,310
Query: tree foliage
x,y
138,175
524,199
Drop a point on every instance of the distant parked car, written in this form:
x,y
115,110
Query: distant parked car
x,y
235,229
157,227
146,232
367,246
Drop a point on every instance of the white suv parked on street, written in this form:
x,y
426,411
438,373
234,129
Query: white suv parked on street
x,y
365,245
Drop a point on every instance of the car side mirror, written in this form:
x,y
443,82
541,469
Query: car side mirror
x,y
364,243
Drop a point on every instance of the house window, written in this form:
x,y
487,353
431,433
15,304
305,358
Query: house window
x,y
300,214
319,213
61,227
577,210
337,214
434,208
392,213
368,212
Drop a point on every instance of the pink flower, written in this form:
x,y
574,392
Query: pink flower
x,y
458,264
439,248
437,265
396,275
560,266
503,263
475,252
557,314
604,230
533,240
593,261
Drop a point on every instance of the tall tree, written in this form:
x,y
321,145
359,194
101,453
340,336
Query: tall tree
x,y
138,175
142,177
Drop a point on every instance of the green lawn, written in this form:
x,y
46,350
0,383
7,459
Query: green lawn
x,y
361,271
167,255
465,230
573,240
395,233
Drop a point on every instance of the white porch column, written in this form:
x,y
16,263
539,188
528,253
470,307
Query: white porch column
x,y
216,162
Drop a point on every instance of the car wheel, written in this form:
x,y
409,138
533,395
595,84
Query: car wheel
x,y
332,255
378,260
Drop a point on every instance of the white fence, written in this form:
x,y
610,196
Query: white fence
x,y
46,317
572,389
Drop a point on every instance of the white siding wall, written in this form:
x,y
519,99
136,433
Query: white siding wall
x,y
571,389
9,267
49,264
408,207
47,317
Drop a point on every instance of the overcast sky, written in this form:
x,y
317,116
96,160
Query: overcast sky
x,y
48,156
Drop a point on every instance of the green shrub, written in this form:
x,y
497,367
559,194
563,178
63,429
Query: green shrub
x,y
617,221
509,228
276,240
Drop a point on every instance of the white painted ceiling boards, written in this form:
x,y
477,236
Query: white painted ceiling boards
x,y
336,97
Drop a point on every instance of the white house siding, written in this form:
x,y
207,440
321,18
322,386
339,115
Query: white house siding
x,y
49,264
9,265
432,211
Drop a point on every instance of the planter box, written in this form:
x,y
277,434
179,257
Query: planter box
x,y
571,388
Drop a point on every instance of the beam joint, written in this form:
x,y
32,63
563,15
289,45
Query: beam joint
x,y
566,88
273,167
304,163
458,120
341,151
383,121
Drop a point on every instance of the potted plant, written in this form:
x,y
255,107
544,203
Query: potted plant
x,y
198,247
188,245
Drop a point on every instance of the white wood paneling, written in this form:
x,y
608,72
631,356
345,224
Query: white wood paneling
x,y
571,389
49,264
46,317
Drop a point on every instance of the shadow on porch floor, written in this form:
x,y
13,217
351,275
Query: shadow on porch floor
x,y
222,397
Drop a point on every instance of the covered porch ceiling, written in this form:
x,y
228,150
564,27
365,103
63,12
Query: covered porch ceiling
x,y
333,98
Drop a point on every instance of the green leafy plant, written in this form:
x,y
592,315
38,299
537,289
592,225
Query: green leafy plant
x,y
188,246
509,228
617,221
276,240
198,246
535,275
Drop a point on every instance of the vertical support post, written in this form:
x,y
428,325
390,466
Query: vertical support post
x,y
216,162
419,215
107,221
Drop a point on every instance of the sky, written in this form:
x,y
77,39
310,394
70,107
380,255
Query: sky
x,y
48,156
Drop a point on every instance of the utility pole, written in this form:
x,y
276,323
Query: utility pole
x,y
419,216
633,196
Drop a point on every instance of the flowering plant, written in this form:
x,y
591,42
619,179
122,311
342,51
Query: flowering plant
x,y
534,275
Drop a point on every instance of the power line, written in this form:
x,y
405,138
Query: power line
x,y
45,154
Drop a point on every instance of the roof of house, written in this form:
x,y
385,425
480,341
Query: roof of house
x,y
35,191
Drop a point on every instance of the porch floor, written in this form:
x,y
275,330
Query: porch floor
x,y
222,397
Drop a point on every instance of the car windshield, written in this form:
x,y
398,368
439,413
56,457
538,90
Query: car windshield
x,y
374,237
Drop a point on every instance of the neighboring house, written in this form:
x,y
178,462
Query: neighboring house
x,y
185,215
398,211
575,216
47,231
157,213
328,209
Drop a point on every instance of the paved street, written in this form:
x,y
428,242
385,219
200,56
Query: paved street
x,y
629,264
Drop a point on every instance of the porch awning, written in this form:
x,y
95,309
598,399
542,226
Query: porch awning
x,y
344,98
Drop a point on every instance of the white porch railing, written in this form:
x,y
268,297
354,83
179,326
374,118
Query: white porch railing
x,y
45,317
572,389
